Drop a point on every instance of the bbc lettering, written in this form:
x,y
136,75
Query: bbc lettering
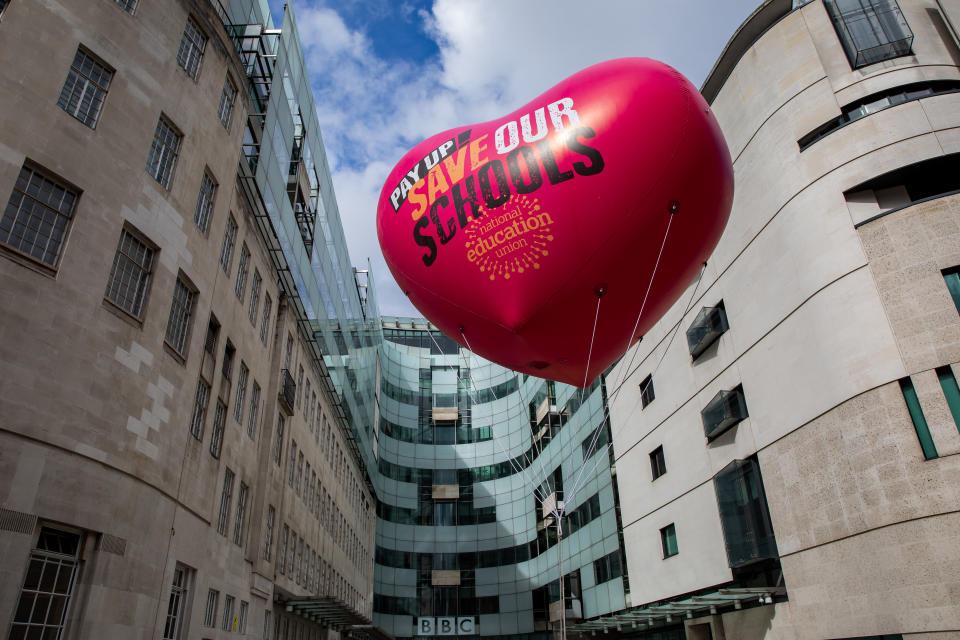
x,y
446,626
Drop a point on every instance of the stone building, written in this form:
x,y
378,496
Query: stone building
x,y
787,462
175,458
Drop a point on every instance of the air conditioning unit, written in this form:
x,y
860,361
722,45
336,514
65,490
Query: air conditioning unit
x,y
709,325
724,410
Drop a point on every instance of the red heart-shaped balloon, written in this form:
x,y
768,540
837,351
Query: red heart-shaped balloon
x,y
536,239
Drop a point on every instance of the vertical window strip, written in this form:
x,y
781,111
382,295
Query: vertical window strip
x,y
227,623
210,614
190,53
948,382
265,320
241,515
278,441
223,521
254,297
85,89
952,278
242,269
37,216
916,415
268,535
216,440
229,240
240,399
227,99
181,310
128,5
178,595
47,586
163,152
208,193
254,408
130,274
200,409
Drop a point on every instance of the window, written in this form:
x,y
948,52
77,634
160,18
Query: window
x,y
163,152
47,586
254,409
282,556
223,521
213,334
37,216
292,556
709,325
919,421
227,623
208,193
668,540
299,472
289,353
128,5
299,386
86,88
227,100
241,392
292,462
724,410
268,533
870,30
306,398
191,48
744,516
658,465
216,440
241,515
278,441
265,319
254,297
242,272
948,382
210,615
181,312
229,240
229,352
267,635
179,596
200,409
607,567
242,624
130,274
646,391
952,278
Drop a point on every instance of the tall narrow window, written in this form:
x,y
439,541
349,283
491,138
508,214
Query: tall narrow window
x,y
227,624
299,472
47,586
229,352
668,540
952,278
254,297
128,5
242,269
292,462
646,391
282,556
208,193
181,313
219,419
242,623
37,217
130,274
179,600
870,30
265,319
268,533
200,401
948,382
192,44
278,441
86,88
238,521
916,415
163,152
210,614
241,392
658,464
299,386
223,520
229,240
254,409
227,98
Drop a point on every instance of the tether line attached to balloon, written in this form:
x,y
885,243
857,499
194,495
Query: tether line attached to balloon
x,y
601,289
612,397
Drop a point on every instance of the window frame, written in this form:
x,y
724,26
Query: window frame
x,y
668,535
647,394
143,292
160,152
179,599
206,200
77,74
227,102
185,315
658,463
198,44
226,500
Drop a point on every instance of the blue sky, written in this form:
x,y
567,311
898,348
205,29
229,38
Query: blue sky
x,y
388,73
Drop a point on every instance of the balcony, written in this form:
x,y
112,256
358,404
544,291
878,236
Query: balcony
x,y
709,325
445,407
724,410
445,577
870,30
446,492
288,392
744,515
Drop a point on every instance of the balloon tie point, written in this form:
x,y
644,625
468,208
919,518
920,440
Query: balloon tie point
x,y
600,290
674,206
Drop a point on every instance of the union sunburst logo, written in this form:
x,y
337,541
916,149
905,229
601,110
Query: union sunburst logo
x,y
511,242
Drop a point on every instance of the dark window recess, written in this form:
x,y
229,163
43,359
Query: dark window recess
x,y
744,516
870,30
709,325
952,278
919,421
724,410
658,464
908,185
646,391
228,352
951,391
213,333
288,391
589,447
607,567
878,102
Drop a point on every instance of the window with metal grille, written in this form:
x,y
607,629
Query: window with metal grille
x,y
47,586
229,240
951,277
200,409
181,314
254,408
292,556
870,30
254,297
265,319
128,5
223,520
85,88
242,270
239,520
130,274
227,623
227,99
282,556
216,439
278,441
191,48
179,599
268,533
208,193
242,623
299,472
163,152
241,392
37,217
213,602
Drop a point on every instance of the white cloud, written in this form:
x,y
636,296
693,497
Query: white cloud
x,y
495,56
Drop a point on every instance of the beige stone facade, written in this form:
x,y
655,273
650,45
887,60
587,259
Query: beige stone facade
x,y
835,290
101,438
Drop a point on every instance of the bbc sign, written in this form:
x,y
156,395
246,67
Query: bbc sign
x,y
446,626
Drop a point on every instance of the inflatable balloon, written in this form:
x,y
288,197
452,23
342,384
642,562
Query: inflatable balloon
x,y
517,236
